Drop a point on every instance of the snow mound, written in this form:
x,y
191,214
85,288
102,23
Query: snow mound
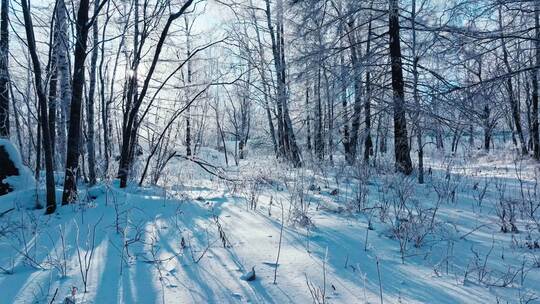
x,y
25,179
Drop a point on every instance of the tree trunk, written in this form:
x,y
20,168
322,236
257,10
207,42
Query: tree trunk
x,y
368,143
189,76
308,120
266,90
318,143
4,75
357,107
329,117
90,143
535,93
17,123
487,128
74,134
514,104
343,81
287,137
418,110
42,99
53,84
104,103
245,113
401,145
131,120
38,150
64,78
384,133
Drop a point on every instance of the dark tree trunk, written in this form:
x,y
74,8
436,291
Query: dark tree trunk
x,y
285,129
319,143
104,102
17,123
357,107
53,94
487,128
384,133
74,134
535,93
418,110
42,99
38,148
401,144
188,131
368,143
27,93
308,119
343,81
4,75
439,142
189,78
455,140
329,117
90,143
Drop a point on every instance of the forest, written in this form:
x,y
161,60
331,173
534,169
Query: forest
x,y
269,151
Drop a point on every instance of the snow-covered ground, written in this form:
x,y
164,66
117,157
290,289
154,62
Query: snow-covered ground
x,y
348,235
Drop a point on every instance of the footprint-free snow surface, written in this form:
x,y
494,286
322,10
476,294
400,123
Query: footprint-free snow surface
x,y
343,235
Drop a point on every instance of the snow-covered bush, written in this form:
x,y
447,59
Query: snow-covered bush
x,y
299,202
14,175
361,191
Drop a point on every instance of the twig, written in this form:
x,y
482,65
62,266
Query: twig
x,y
472,231
6,212
380,282
54,296
203,164
280,238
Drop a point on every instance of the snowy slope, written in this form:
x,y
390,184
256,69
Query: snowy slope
x,y
193,238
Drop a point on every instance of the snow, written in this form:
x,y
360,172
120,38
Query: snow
x,y
195,238
20,183
25,179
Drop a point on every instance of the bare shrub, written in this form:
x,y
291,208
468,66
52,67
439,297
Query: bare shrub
x,y
361,190
446,188
410,222
57,257
506,209
479,192
86,258
222,235
251,191
299,202
318,293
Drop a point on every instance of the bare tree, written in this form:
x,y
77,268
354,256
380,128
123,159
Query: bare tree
x,y
401,140
514,105
535,91
43,115
4,74
287,141
83,25
131,116
90,143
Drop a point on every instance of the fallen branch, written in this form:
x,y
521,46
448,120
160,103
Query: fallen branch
x,y
474,230
6,212
205,166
